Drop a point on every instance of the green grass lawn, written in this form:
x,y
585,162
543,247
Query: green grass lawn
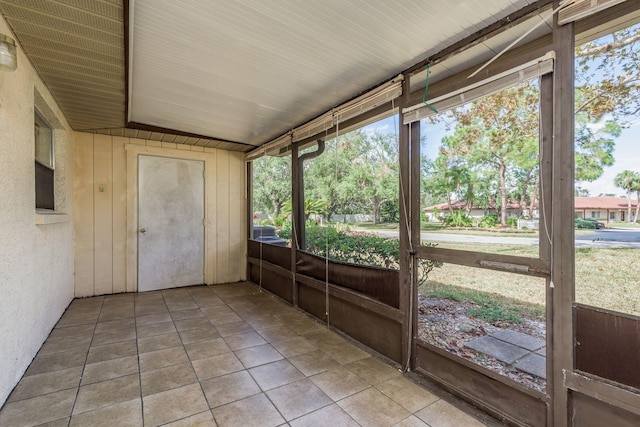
x,y
607,278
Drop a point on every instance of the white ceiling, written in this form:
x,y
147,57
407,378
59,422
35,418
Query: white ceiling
x,y
250,70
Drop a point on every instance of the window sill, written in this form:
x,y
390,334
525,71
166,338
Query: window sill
x,y
44,217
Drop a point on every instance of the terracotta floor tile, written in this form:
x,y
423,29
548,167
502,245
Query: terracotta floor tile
x,y
203,349
172,405
234,328
151,319
37,385
412,421
107,393
277,333
298,398
221,347
149,330
108,369
220,318
38,410
57,361
186,314
406,393
112,351
124,414
113,336
259,355
158,342
275,374
373,370
203,419
200,334
339,383
254,411
294,346
216,366
313,363
240,341
229,388
331,415
161,358
345,352
444,414
111,325
167,378
72,331
193,323
372,408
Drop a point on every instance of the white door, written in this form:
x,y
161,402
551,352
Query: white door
x,y
170,223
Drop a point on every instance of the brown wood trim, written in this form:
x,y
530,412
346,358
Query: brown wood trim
x,y
271,267
537,267
484,371
149,128
603,391
125,19
359,300
520,55
501,397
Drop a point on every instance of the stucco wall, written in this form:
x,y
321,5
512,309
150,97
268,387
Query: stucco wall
x,y
106,221
36,261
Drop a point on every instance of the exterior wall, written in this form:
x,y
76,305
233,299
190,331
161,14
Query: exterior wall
x,y
106,221
36,251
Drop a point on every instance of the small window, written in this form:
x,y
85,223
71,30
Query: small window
x,y
595,214
44,163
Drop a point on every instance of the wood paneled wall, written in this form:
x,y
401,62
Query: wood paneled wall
x,y
103,206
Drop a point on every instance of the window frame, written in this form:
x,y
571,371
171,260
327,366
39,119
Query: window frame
x,y
44,174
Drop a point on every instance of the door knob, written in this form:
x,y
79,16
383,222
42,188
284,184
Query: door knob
x,y
142,230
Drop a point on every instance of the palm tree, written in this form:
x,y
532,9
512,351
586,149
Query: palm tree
x,y
626,179
636,188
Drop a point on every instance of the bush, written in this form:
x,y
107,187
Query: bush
x,y
457,219
279,220
583,223
356,248
512,221
488,221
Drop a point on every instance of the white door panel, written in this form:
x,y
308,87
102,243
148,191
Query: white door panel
x,y
170,222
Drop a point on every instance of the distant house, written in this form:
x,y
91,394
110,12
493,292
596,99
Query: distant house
x,y
434,212
604,208
601,208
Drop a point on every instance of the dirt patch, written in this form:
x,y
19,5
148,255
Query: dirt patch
x,y
446,324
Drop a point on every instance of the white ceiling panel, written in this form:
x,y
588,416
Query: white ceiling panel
x,y
250,70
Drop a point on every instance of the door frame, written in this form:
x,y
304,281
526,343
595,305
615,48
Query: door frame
x,y
133,151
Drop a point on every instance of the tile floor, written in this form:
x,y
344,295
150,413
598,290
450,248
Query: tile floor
x,y
225,355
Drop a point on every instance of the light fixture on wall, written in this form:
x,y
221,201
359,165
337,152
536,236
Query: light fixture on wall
x,y
8,57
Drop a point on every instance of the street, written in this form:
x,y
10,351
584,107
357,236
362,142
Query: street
x,y
607,238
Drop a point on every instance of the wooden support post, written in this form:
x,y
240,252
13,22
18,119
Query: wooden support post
x,y
562,223
249,174
414,203
404,157
296,222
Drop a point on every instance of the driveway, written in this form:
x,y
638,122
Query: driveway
x,y
609,238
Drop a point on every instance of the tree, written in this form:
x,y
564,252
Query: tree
x,y
627,180
607,97
357,173
498,133
271,183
